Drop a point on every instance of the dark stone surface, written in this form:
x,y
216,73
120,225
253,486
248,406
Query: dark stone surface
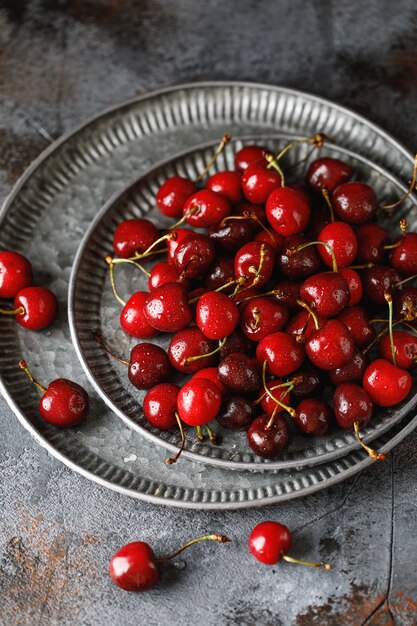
x,y
60,62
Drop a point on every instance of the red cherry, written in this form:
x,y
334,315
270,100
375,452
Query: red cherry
x,y
405,303
245,208
281,393
269,542
134,567
36,307
386,384
132,236
187,344
262,316
371,240
240,373
220,273
164,272
354,202
302,324
405,347
236,342
283,353
194,255
231,234
167,309
357,322
327,292
331,346
248,155
328,173
300,264
354,283
288,292
352,404
236,413
310,382
254,263
160,406
15,273
198,401
258,181
205,208
272,239
133,320
342,240
212,373
377,281
173,194
268,440
148,366
228,184
287,212
217,315
179,235
313,417
352,372
404,257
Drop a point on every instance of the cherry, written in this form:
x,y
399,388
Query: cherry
x,y
262,316
228,184
221,274
288,292
248,155
310,382
302,325
272,239
217,315
173,194
357,322
283,353
167,309
212,373
354,284
330,346
287,211
352,372
160,406
244,209
267,439
236,413
269,542
198,401
386,384
342,240
301,264
328,173
275,390
328,292
148,366
187,344
205,208
178,235
404,256
15,273
135,568
405,346
164,272
236,342
354,202
313,417
371,240
258,181
35,308
134,236
64,403
377,281
254,263
239,373
133,320
231,234
194,255
405,304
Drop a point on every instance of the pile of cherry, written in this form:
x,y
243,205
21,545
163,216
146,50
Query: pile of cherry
x,y
274,303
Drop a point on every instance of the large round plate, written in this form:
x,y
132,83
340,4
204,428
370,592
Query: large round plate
x,y
49,211
92,305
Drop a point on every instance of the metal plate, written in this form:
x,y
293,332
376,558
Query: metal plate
x,y
92,305
49,211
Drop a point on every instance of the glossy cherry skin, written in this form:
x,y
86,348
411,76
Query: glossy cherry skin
x,y
134,567
231,235
160,405
328,173
217,315
236,342
302,325
236,413
211,208
220,273
173,194
331,346
64,403
167,309
354,284
40,307
287,211
403,258
244,208
386,384
377,281
352,372
15,273
405,348
288,292
247,262
327,292
212,373
178,235
371,240
163,272
133,320
354,202
194,255
198,401
258,181
405,303
283,353
268,443
148,366
262,316
310,383
357,322
298,265
269,541
342,240
270,237
282,394
352,404
248,155
240,373
135,235
313,417
187,343
228,183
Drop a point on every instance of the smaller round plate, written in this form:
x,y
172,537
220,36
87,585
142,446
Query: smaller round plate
x,y
92,306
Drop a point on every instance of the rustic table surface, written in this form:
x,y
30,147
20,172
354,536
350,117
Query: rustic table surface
x,y
60,62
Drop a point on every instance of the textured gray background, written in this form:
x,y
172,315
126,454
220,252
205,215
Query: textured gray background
x,y
61,61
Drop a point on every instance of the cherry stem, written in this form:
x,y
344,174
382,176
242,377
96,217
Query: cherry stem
x,y
218,538
296,249
223,142
274,292
221,288
411,187
277,404
290,410
200,435
365,266
272,162
326,196
99,338
388,298
380,334
132,262
166,237
376,456
257,271
171,460
23,366
290,383
254,323
185,217
405,280
18,311
211,435
110,263
318,141
290,559
301,161
311,312
191,359
403,227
